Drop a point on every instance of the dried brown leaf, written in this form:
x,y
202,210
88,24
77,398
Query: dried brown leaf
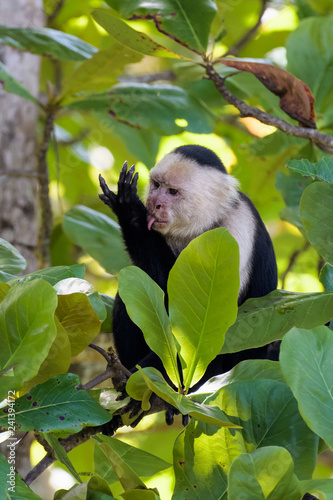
x,y
295,97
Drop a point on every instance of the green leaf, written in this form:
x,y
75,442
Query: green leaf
x,y
11,261
58,405
317,486
47,42
131,38
98,235
52,274
60,454
154,107
57,361
27,326
144,302
265,473
99,72
79,320
268,420
141,462
128,478
73,285
108,302
306,361
156,383
4,289
177,18
317,216
10,479
265,319
326,277
11,85
203,291
322,170
250,369
199,464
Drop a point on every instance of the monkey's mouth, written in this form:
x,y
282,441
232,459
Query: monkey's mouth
x,y
155,223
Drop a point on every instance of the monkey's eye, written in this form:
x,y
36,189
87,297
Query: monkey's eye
x,y
173,191
156,184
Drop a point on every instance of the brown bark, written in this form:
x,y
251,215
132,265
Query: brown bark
x,y
18,137
18,174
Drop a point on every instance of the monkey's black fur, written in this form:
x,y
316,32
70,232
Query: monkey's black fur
x,y
149,251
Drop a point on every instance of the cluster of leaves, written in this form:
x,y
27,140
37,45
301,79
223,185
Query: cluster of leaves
x,y
235,437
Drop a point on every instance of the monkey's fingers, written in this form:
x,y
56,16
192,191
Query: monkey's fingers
x,y
122,174
125,187
109,200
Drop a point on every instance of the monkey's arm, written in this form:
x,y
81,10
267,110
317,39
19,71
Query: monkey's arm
x,y
147,249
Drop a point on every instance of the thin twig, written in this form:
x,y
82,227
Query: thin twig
x,y
45,227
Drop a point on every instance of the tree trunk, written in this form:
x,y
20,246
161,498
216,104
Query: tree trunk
x,y
18,137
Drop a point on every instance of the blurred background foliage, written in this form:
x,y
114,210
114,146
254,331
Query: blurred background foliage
x,y
296,35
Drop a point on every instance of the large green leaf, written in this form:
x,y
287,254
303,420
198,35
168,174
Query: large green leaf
x,y
265,319
153,379
140,461
267,473
144,302
57,361
60,454
47,42
100,71
326,277
28,331
177,18
58,405
154,107
77,285
98,235
306,361
10,84
322,170
11,261
133,39
203,290
127,476
79,320
317,216
268,414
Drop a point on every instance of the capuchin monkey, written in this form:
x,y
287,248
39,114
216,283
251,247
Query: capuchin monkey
x,y
190,192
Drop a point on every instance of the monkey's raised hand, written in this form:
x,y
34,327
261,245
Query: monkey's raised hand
x,y
126,204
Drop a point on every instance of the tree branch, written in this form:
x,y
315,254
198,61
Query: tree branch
x,y
45,226
322,141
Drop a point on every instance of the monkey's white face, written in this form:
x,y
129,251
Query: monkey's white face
x,y
161,204
185,198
